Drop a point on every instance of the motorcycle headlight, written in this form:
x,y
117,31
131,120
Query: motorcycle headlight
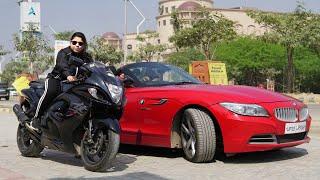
x,y
303,114
246,109
116,92
94,93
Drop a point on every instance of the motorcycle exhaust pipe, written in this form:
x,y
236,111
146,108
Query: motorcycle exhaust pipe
x,y
33,134
22,117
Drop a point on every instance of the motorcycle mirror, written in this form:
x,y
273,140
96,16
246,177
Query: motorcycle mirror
x,y
113,69
76,61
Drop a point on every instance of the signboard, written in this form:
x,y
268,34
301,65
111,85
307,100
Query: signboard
x,y
58,45
30,16
218,73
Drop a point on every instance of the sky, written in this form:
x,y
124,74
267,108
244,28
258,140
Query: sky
x,y
95,17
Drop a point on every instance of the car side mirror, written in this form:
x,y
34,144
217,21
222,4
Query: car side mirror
x,y
128,82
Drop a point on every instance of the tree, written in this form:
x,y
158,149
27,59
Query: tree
x,y
185,57
12,69
65,35
104,52
176,22
291,30
35,50
207,31
251,61
2,51
148,47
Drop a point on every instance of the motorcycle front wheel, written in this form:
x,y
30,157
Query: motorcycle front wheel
x,y
98,152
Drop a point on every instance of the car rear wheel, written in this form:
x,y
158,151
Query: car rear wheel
x,y
198,136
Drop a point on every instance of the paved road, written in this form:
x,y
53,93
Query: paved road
x,y
300,162
11,102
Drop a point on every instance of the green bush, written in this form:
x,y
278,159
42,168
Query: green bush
x,y
251,61
184,57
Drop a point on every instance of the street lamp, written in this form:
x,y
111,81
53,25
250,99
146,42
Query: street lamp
x,y
125,25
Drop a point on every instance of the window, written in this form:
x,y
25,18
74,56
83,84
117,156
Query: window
x,y
159,23
167,10
173,8
158,41
164,22
161,10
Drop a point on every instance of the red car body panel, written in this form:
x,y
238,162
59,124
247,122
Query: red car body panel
x,y
148,122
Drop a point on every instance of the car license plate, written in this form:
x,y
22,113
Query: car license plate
x,y
292,128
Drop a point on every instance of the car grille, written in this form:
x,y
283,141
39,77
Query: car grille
x,y
286,114
291,137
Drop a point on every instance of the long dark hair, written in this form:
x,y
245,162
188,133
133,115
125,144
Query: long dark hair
x,y
82,36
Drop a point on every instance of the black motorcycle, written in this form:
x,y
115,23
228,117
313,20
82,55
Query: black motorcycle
x,y
83,120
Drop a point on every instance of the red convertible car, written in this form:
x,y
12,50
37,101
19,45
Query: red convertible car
x,y
167,107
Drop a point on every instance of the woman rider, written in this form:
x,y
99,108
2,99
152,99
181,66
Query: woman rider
x,y
63,70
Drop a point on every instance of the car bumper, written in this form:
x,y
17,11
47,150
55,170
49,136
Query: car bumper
x,y
249,134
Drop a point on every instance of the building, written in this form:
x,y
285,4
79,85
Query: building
x,y
187,10
113,40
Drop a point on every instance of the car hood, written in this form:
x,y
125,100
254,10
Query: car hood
x,y
239,94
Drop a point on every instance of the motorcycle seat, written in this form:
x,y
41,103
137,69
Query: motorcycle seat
x,y
37,84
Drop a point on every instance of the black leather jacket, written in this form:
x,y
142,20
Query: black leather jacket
x,y
63,68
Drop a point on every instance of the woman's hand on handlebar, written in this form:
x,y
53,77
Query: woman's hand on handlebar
x,y
71,78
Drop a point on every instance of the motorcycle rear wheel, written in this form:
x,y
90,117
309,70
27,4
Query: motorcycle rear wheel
x,y
26,145
98,154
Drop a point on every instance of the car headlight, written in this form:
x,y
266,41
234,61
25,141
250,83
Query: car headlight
x,y
116,92
303,114
246,109
94,93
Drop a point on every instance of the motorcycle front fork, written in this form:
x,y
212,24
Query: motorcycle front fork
x,y
89,130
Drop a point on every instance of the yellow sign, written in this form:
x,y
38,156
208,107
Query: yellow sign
x,y
218,73
20,84
190,69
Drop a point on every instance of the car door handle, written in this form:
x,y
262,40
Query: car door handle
x,y
145,109
160,102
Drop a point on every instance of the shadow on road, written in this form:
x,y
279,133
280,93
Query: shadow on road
x,y
268,156
119,164
129,176
150,151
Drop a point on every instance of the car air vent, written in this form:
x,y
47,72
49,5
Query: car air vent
x,y
263,139
286,114
291,137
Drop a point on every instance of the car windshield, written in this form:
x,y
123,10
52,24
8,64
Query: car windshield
x,y
158,74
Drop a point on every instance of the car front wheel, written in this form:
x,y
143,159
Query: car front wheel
x,y
198,136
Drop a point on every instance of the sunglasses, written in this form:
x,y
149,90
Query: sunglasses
x,y
76,42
